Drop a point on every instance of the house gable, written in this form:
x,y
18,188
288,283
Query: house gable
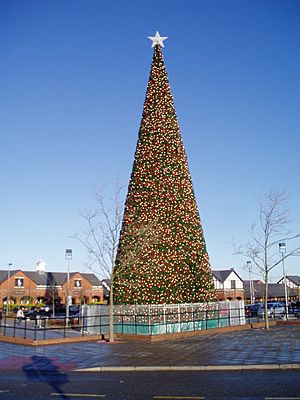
x,y
227,279
292,281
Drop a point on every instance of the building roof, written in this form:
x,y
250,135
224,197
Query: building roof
x,y
223,274
47,278
4,274
274,290
294,278
51,278
92,278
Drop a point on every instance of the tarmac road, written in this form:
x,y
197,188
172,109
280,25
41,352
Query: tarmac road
x,y
264,385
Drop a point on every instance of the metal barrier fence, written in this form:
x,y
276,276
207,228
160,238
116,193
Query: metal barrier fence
x,y
129,319
168,318
39,329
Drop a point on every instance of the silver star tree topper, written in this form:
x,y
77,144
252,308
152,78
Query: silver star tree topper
x,y
157,39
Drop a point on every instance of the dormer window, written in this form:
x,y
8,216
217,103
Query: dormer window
x,y
19,282
77,283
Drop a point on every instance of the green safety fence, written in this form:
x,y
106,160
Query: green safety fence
x,y
165,328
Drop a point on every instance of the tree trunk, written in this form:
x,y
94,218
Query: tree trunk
x,y
266,299
111,297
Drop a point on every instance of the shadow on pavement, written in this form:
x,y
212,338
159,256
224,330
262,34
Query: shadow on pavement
x,y
43,370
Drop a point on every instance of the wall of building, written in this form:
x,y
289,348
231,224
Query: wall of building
x,y
22,290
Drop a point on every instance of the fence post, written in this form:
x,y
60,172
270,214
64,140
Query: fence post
x,y
65,323
193,317
35,322
25,328
4,333
44,333
83,325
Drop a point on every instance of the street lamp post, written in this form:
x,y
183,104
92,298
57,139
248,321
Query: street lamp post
x,y
249,265
8,289
282,250
68,257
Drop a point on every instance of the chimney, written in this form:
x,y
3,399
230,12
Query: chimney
x,y
40,266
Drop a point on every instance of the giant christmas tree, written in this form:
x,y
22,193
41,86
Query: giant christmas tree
x,y
162,256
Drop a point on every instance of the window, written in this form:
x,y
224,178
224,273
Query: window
x,y
77,283
19,282
233,284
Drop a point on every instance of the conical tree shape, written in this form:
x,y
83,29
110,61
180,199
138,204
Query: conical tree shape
x,y
162,256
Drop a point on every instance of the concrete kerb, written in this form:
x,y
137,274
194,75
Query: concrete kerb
x,y
172,368
47,342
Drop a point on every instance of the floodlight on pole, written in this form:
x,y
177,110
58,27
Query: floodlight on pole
x,y
249,266
282,251
68,257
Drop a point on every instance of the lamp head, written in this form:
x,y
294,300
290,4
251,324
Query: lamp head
x,y
282,248
68,254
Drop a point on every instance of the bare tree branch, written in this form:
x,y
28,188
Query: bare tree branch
x,y
271,230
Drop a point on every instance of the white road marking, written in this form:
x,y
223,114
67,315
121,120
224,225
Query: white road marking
x,y
79,395
282,398
178,398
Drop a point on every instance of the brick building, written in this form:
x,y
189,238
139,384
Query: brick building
x,y
33,287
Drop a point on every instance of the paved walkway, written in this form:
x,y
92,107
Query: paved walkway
x,y
280,345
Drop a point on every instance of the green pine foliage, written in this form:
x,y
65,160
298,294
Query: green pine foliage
x,y
162,256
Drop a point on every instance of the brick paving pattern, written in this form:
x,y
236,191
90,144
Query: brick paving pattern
x,y
279,345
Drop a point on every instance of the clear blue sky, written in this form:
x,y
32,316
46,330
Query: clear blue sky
x,y
73,78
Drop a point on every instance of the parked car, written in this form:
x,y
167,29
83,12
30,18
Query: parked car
x,y
34,314
274,309
74,310
297,312
251,310
295,308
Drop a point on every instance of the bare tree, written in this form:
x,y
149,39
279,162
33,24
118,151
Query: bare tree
x,y
101,238
271,229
